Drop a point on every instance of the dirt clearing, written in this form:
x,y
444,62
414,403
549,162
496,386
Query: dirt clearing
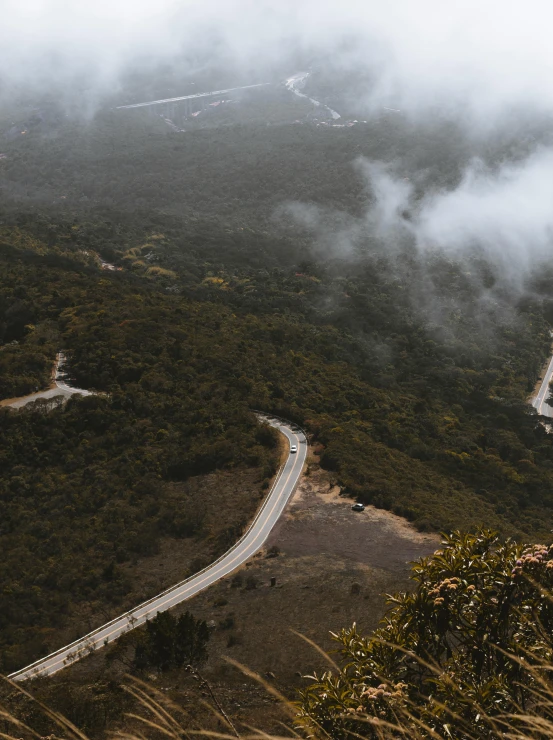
x,y
319,520
333,567
329,566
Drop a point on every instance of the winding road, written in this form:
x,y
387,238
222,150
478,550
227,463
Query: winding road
x,y
59,388
539,401
295,85
266,518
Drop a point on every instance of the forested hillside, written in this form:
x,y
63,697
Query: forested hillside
x,y
276,331
234,176
410,370
423,417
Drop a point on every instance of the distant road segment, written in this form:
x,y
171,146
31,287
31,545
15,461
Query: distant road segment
x,y
192,97
279,495
59,388
539,401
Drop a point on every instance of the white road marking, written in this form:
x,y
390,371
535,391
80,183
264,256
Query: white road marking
x,y
539,401
279,495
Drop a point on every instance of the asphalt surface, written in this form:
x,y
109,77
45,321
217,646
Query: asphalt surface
x,y
59,388
245,548
296,82
539,401
191,97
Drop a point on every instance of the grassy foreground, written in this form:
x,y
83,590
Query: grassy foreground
x,y
467,655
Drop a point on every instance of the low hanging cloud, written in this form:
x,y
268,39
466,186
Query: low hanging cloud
x,y
475,59
506,212
391,199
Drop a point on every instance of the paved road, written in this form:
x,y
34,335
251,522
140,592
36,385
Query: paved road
x,y
296,83
58,388
539,401
246,547
192,97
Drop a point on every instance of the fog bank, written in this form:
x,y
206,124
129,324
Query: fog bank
x,y
477,59
506,212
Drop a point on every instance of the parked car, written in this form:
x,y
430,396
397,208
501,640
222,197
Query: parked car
x,y
293,448
358,507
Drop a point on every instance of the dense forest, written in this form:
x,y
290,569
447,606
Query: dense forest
x,y
232,176
426,418
410,370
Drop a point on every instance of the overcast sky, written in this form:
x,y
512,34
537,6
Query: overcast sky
x,y
485,54
477,59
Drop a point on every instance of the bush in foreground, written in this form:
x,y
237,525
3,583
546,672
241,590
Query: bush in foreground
x,y
459,657
468,655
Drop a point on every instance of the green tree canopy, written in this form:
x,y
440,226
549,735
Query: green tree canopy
x,y
171,642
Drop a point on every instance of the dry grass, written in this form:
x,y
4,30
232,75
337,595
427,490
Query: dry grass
x,y
334,568
155,715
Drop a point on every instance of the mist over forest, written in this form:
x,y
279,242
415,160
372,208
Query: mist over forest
x,y
478,71
338,213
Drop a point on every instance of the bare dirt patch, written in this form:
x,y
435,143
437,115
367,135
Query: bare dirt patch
x,y
333,567
319,520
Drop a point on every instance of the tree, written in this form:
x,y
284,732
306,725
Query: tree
x,y
169,642
470,643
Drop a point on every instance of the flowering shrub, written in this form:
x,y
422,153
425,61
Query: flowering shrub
x,y
467,646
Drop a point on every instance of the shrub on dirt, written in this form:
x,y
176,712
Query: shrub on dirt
x,y
234,639
237,581
251,583
171,642
470,645
227,623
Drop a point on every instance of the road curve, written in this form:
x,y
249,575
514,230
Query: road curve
x,y
296,82
539,401
58,389
266,518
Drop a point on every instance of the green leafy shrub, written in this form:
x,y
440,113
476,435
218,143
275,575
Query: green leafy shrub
x,y
469,645
171,642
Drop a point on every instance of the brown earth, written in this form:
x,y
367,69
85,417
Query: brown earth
x,y
238,493
318,518
225,502
333,567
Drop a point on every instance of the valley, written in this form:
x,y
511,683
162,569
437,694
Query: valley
x,y
213,278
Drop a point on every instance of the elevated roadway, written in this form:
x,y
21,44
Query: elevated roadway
x,y
192,97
